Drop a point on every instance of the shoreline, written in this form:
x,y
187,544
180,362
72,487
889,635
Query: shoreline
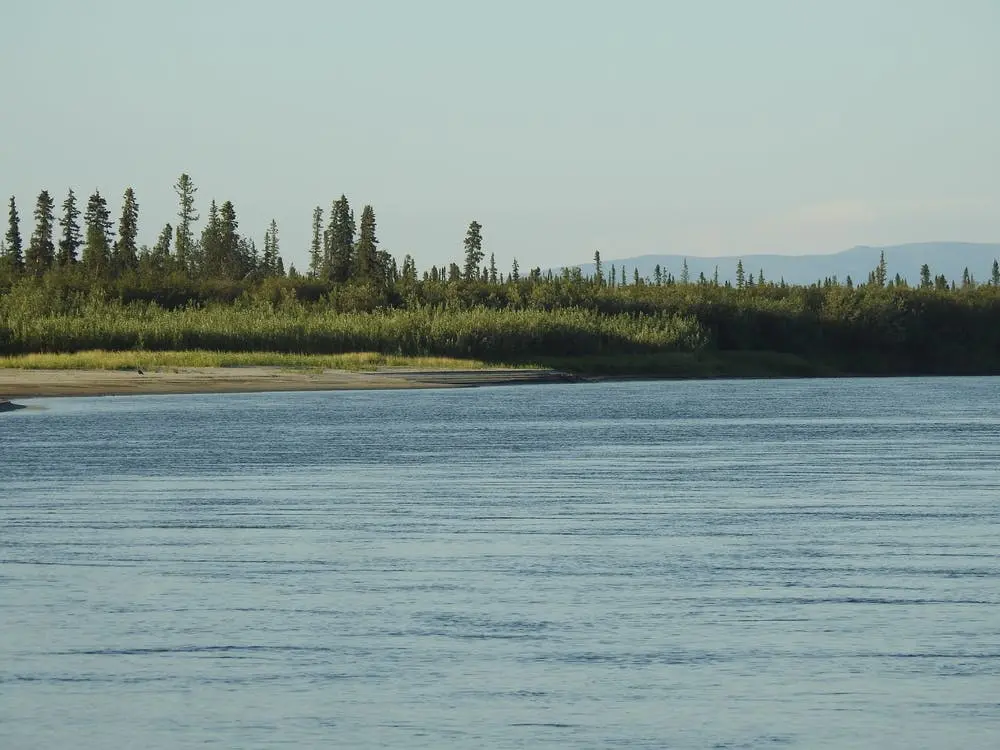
x,y
32,383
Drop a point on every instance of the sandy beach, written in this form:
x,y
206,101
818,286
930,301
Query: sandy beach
x,y
48,383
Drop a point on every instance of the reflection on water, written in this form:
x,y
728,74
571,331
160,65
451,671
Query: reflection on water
x,y
698,564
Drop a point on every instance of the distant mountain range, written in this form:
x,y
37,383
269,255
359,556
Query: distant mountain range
x,y
948,258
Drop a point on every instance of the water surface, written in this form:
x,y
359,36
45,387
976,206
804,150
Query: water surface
x,y
729,564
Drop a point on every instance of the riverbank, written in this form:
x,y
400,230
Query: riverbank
x,y
36,383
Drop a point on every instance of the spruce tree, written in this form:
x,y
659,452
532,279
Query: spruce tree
x,y
658,275
316,248
740,276
996,273
41,251
15,247
231,264
925,277
473,250
598,269
340,240
125,256
272,253
71,240
366,252
97,235
161,250
515,272
493,269
184,244
881,271
685,273
211,243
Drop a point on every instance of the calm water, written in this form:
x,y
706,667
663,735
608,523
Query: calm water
x,y
639,565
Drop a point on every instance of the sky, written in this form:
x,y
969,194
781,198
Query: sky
x,y
706,127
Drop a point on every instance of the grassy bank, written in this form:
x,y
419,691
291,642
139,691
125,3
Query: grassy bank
x,y
130,360
480,333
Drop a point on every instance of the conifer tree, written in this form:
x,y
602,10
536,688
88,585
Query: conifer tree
x,y
184,244
15,247
71,240
97,235
341,241
493,269
881,271
366,253
658,275
41,250
740,275
232,264
685,273
211,242
515,272
996,273
598,270
925,277
473,250
269,263
161,250
316,248
125,251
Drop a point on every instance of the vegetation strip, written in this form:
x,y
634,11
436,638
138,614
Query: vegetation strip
x,y
94,288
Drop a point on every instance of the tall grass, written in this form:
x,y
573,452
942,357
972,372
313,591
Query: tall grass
x,y
162,360
29,325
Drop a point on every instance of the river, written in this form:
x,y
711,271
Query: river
x,y
713,564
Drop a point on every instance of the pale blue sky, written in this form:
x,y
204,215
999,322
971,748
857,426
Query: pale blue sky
x,y
705,127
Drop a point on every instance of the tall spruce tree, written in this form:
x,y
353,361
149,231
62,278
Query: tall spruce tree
x,y
232,264
41,251
881,275
996,273
15,246
125,256
925,277
97,235
161,250
473,250
316,248
269,263
71,240
367,255
184,244
342,229
211,243
598,269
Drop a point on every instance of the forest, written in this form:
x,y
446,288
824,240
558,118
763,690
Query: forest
x,y
82,282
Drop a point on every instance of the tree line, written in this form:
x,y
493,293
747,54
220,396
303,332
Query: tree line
x,y
84,264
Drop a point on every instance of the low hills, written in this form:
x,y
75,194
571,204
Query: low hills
x,y
948,258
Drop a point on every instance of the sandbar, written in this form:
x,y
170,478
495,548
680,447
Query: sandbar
x,y
17,383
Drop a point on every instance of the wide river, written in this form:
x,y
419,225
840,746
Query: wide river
x,y
722,564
